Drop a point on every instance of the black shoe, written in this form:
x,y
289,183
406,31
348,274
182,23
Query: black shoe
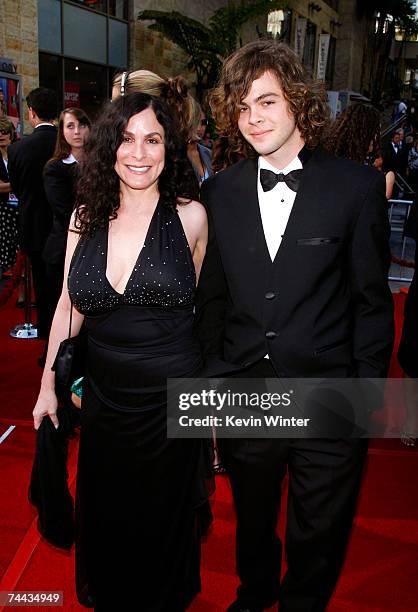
x,y
237,606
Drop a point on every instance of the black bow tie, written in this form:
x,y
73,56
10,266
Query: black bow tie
x,y
269,179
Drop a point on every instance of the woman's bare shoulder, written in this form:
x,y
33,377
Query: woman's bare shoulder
x,y
193,210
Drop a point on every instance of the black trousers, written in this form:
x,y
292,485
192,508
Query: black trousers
x,y
324,481
55,277
40,287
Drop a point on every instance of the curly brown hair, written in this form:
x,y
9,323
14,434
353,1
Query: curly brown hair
x,y
306,98
98,187
353,131
226,152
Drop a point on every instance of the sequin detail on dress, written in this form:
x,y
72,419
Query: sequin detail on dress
x,y
163,274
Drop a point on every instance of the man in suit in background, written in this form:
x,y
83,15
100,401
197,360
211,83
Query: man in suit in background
x,y
27,158
294,284
396,154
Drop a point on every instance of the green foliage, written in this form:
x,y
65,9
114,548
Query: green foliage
x,y
207,46
402,12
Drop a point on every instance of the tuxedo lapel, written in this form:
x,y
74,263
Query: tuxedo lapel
x,y
305,205
247,218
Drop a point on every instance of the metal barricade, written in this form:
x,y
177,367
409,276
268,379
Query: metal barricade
x,y
399,210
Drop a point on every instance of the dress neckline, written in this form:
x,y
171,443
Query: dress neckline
x,y
138,259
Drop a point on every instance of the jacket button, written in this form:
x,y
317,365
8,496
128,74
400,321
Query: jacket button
x,y
270,295
271,335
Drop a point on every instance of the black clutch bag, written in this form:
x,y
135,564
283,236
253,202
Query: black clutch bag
x,y
70,361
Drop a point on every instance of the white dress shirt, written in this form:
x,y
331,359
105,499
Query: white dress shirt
x,y
276,205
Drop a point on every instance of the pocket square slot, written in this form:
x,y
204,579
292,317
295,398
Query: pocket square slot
x,y
332,346
317,241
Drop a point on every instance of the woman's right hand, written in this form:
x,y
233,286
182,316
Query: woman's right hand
x,y
45,406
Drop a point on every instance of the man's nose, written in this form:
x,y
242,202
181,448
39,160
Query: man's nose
x,y
255,115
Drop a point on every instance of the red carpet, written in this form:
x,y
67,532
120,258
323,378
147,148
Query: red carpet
x,y
381,570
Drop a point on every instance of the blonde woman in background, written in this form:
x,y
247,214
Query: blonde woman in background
x,y
200,156
173,90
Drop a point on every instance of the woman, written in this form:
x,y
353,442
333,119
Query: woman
x,y
184,108
59,182
8,202
189,118
389,175
355,133
199,156
173,90
134,252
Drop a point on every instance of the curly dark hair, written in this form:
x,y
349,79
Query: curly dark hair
x,y
353,131
306,98
226,152
98,188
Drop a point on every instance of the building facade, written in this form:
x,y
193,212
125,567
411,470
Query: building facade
x,y
76,46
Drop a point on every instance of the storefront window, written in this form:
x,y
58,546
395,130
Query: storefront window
x,y
118,43
84,34
279,24
331,62
49,25
85,86
97,5
94,46
309,47
50,74
119,8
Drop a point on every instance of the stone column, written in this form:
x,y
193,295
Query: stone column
x,y
19,38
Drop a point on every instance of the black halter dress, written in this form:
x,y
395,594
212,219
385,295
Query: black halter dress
x,y
137,491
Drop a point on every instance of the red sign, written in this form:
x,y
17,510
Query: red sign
x,y
71,95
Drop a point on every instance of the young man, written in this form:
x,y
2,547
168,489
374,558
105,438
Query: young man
x,y
294,284
27,158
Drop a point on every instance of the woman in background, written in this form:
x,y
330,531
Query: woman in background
x,y
200,156
355,133
389,175
59,182
8,202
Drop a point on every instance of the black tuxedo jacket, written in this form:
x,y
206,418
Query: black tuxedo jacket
x,y
323,306
396,161
59,179
27,158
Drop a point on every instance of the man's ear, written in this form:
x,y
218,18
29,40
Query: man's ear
x,y
32,114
